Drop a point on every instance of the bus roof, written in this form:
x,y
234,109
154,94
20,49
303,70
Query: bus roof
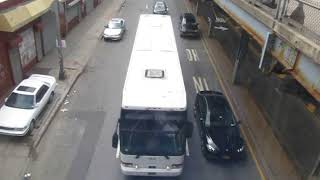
x,y
154,79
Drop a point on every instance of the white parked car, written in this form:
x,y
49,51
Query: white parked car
x,y
115,29
25,103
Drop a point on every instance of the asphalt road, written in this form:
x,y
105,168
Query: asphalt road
x,y
77,145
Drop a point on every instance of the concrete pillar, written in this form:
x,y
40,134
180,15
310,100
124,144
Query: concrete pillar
x,y
197,8
211,25
241,54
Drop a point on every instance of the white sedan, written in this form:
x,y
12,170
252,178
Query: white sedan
x,y
115,29
22,108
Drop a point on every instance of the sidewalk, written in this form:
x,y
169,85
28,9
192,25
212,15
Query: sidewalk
x,y
80,43
15,154
271,159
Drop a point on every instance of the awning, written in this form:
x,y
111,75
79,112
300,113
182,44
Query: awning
x,y
17,17
74,2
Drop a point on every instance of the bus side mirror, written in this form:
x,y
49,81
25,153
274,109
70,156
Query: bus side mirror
x,y
189,129
115,140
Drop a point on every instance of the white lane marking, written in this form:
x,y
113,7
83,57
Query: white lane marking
x,y
192,55
187,148
205,84
200,84
118,150
189,54
195,55
147,6
221,28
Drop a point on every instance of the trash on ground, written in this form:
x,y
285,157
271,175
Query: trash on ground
x,y
64,110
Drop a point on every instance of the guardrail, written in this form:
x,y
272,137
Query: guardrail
x,y
302,15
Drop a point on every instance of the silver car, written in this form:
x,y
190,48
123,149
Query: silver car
x,y
115,29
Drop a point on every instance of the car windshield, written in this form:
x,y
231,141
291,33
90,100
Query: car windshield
x,y
21,101
191,26
114,25
146,133
160,6
190,19
152,143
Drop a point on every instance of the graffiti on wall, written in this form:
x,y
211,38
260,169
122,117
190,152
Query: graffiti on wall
x,y
27,48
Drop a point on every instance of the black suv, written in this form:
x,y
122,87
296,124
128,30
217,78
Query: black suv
x,y
218,129
188,25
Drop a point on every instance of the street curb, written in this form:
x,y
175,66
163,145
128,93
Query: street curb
x,y
53,112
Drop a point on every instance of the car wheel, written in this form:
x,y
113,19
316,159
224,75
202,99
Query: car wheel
x,y
51,98
31,127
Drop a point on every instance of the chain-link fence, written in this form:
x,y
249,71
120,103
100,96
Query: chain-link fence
x,y
303,15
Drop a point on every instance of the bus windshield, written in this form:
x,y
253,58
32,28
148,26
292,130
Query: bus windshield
x,y
152,133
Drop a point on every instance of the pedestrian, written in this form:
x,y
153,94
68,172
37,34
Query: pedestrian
x,y
298,14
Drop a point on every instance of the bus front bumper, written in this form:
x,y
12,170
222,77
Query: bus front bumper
x,y
132,171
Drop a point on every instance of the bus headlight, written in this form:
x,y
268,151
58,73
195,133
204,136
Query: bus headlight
x,y
127,164
176,166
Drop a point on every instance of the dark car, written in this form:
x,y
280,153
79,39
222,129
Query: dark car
x,y
218,128
188,25
160,7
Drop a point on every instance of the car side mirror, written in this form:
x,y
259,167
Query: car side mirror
x,y
236,124
115,139
188,129
106,26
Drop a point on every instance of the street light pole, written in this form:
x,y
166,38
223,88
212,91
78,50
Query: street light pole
x,y
59,44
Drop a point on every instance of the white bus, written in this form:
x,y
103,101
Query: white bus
x,y
152,131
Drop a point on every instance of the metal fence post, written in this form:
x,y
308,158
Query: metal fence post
x,y
61,66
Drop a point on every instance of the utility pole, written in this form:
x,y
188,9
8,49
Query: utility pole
x,y
59,43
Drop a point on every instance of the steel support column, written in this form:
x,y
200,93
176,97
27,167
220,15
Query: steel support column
x,y
241,54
